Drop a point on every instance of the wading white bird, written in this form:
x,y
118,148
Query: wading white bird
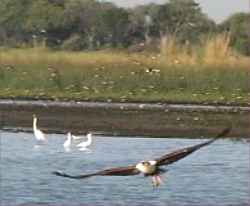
x,y
67,143
147,168
77,137
40,136
87,143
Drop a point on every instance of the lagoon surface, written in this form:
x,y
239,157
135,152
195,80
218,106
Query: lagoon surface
x,y
215,175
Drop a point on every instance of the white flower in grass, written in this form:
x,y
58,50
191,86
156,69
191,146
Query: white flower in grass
x,y
182,77
141,106
96,91
41,93
53,74
156,70
143,90
196,118
176,61
85,87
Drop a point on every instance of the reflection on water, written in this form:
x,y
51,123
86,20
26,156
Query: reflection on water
x,y
215,175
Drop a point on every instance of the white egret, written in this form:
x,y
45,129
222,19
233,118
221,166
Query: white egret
x,y
40,136
87,143
77,137
67,143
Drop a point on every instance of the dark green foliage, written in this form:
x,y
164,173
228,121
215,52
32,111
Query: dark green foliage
x,y
74,43
93,24
238,26
13,15
184,20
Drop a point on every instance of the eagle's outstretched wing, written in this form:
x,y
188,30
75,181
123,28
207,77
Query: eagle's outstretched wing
x,y
181,153
118,171
132,170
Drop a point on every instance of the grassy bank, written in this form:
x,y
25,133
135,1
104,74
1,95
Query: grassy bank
x,y
211,73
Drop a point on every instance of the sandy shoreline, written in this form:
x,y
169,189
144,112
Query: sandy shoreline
x,y
136,119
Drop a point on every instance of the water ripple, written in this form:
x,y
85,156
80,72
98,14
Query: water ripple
x,y
215,175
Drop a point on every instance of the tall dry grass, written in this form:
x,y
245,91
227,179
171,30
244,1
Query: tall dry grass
x,y
212,51
174,53
46,56
217,50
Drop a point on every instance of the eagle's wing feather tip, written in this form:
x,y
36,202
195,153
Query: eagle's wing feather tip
x,y
58,173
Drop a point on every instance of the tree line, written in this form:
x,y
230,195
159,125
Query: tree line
x,y
93,25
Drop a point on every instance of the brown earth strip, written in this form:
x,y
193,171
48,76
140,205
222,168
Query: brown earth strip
x,y
122,119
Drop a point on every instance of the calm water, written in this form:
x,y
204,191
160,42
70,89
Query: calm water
x,y
215,175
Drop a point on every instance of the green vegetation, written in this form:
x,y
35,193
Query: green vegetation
x,y
86,50
212,73
93,25
238,25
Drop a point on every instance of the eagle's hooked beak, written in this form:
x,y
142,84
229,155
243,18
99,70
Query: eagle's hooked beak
x,y
156,180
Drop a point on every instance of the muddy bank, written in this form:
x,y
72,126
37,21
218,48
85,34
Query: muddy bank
x,y
157,120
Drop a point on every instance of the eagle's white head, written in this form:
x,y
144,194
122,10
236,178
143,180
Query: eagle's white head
x,y
147,167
